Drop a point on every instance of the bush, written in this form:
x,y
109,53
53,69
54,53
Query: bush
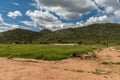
x,y
39,57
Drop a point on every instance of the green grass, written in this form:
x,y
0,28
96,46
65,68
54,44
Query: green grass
x,y
44,52
101,72
78,70
108,63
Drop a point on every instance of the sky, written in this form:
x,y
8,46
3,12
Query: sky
x,y
36,15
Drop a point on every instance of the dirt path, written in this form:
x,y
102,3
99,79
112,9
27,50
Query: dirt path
x,y
69,69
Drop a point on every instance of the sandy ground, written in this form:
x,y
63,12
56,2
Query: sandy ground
x,y
69,69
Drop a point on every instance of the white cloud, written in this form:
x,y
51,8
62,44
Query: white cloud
x,y
33,4
80,24
42,19
109,10
1,19
117,13
14,26
6,26
14,14
112,3
16,4
67,9
93,20
28,23
106,11
45,20
100,19
38,15
109,5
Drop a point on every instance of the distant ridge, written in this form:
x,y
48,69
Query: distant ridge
x,y
91,34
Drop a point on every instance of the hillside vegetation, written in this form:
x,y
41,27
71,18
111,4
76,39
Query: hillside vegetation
x,y
92,34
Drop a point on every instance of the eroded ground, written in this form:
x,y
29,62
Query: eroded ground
x,y
105,67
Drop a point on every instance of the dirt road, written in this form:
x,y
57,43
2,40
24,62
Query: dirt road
x,y
69,69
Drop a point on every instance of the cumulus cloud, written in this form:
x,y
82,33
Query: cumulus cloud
x,y
100,19
67,9
93,20
80,24
42,19
1,19
14,26
107,11
38,15
109,5
111,8
61,14
45,20
6,26
14,14
117,13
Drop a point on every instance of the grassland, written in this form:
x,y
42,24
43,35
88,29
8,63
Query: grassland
x,y
44,52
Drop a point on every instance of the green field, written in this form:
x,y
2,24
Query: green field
x,y
44,52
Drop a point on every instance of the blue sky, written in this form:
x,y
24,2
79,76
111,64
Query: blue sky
x,y
36,15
